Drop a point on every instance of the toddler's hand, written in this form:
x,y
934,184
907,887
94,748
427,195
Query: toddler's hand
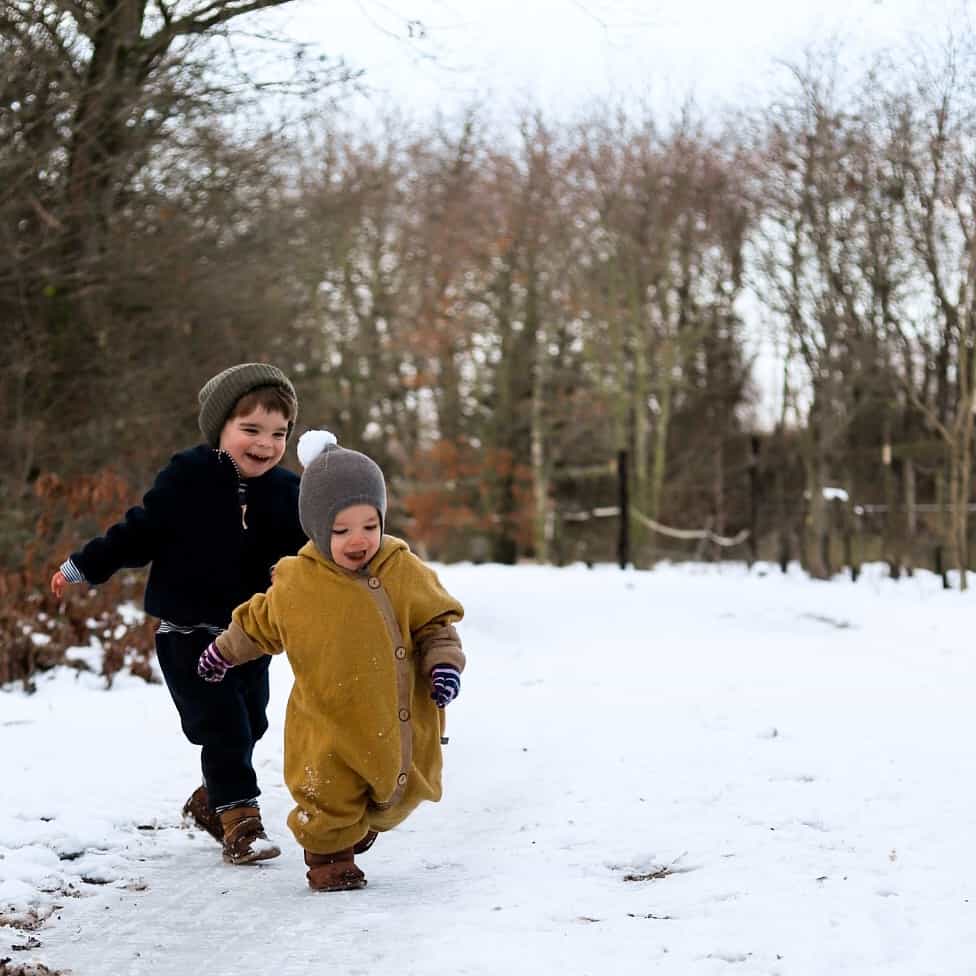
x,y
212,665
445,683
58,583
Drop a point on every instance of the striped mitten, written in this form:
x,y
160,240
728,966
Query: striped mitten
x,y
445,682
212,665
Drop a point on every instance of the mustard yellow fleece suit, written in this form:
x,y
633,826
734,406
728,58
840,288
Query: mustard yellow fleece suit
x,y
362,735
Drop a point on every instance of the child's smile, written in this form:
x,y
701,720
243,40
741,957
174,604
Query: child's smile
x,y
356,536
256,441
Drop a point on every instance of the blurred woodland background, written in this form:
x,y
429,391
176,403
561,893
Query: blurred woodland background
x,y
533,330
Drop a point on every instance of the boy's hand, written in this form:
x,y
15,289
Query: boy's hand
x,y
445,683
58,583
212,665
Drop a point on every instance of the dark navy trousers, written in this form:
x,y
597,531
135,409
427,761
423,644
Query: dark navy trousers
x,y
225,718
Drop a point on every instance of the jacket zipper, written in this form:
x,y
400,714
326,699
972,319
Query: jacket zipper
x,y
241,487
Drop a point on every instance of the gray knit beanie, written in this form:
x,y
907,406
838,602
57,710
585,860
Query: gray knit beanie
x,y
334,478
221,392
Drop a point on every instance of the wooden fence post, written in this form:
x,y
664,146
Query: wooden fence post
x,y
623,503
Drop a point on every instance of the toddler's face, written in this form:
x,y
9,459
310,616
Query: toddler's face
x,y
256,440
356,536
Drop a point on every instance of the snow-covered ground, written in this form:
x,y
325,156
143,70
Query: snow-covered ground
x,y
695,770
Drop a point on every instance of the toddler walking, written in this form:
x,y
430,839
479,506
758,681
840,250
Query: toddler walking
x,y
369,632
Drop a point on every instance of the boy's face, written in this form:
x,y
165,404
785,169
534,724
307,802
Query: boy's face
x,y
355,536
255,440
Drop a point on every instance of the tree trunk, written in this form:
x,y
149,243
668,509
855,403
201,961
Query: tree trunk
x,y
754,500
848,527
890,546
659,463
960,461
639,408
942,525
911,514
816,514
541,523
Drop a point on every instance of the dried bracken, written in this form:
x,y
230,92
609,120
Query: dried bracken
x,y
35,632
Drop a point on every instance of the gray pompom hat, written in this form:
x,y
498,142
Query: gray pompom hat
x,y
221,392
333,479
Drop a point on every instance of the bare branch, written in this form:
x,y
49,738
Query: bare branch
x,y
211,15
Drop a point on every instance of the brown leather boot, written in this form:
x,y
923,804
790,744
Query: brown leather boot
x,y
244,838
366,843
197,811
333,872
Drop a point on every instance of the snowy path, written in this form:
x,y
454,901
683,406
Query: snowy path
x,y
793,760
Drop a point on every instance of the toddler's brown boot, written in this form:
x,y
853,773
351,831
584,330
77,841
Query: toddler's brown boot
x,y
366,843
244,838
197,811
334,872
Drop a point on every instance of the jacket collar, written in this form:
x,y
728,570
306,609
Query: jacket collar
x,y
389,547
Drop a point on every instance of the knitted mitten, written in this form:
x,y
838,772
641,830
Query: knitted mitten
x,y
445,683
212,665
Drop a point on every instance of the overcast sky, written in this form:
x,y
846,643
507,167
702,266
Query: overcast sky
x,y
561,54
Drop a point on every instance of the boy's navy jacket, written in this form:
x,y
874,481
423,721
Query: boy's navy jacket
x,y
189,526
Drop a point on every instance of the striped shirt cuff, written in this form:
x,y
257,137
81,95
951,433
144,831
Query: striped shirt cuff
x,y
71,572
167,627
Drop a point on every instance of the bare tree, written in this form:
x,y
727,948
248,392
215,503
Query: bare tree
x,y
807,254
111,139
934,165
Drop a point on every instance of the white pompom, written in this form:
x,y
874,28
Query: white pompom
x,y
312,443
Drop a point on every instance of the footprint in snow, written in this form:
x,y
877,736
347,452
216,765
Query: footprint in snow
x,y
730,957
829,621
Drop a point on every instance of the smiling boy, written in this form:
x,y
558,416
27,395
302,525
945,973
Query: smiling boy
x,y
217,519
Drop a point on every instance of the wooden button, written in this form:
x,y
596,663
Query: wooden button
x,y
373,582
401,653
404,714
401,779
